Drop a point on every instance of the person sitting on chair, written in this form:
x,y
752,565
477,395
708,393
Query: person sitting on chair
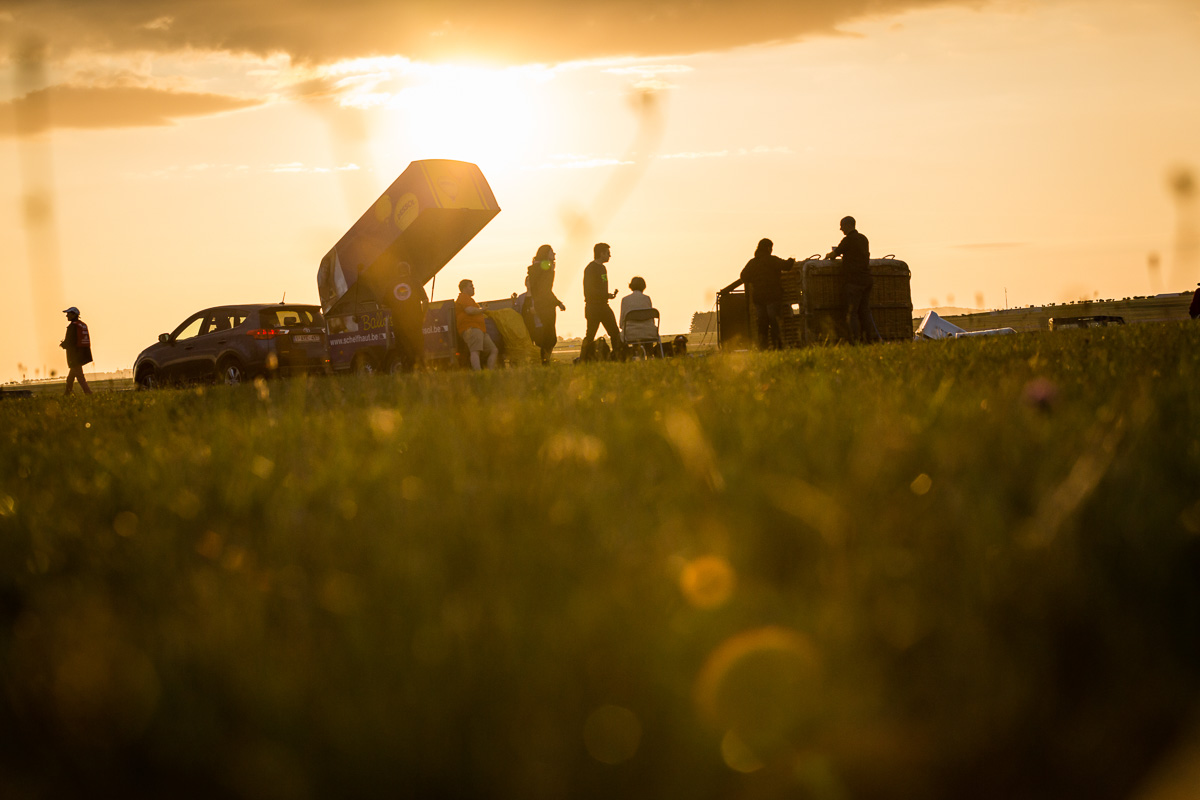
x,y
641,328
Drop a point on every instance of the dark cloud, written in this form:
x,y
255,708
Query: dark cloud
x,y
517,31
111,107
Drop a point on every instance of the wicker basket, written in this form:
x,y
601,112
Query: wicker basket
x,y
816,311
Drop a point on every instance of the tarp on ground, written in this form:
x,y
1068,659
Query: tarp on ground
x,y
988,332
518,347
421,222
934,327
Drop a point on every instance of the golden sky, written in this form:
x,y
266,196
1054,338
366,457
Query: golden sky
x,y
161,157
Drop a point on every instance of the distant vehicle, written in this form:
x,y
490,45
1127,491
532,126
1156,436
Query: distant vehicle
x,y
231,344
1058,323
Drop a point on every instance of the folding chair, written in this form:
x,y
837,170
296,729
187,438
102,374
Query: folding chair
x,y
644,341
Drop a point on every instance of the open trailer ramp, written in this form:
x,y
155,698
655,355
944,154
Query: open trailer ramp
x,y
422,221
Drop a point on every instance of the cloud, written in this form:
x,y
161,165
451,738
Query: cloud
x,y
96,107
571,161
760,150
517,31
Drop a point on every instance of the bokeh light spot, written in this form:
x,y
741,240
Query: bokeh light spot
x,y
383,422
737,755
764,685
921,485
125,523
612,734
707,582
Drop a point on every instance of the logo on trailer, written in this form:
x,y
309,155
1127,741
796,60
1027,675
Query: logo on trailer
x,y
407,208
383,208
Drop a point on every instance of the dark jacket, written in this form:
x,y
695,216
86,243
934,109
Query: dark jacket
x,y
595,284
763,275
78,344
855,251
541,278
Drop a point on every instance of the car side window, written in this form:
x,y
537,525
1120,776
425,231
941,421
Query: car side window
x,y
218,322
189,329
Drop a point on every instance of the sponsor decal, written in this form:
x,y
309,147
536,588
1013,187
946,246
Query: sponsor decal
x,y
449,187
373,321
383,208
339,339
407,209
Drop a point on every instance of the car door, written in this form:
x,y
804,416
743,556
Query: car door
x,y
178,351
212,341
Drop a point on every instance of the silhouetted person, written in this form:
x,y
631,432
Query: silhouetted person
x,y
763,276
855,252
78,344
1194,308
408,305
595,303
472,325
637,299
523,305
540,283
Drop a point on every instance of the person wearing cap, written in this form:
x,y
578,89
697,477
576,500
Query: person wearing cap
x,y
1194,308
78,344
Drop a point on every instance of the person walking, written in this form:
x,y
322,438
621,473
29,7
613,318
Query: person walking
x,y
1194,308
472,325
855,252
763,274
596,310
78,344
540,285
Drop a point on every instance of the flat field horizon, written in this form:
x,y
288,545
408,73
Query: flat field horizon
x,y
943,569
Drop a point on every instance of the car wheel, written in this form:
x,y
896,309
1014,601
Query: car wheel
x,y
231,372
396,365
147,379
364,365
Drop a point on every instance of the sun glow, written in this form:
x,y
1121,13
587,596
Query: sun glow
x,y
494,118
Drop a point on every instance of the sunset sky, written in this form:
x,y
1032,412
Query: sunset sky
x,y
160,157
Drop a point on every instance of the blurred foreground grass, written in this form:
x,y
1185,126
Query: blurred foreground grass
x,y
955,569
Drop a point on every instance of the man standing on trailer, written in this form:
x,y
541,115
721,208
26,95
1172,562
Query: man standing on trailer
x,y
855,252
596,310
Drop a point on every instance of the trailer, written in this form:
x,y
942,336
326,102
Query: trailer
x,y
363,340
376,274
814,310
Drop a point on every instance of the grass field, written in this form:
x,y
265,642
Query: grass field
x,y
945,570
